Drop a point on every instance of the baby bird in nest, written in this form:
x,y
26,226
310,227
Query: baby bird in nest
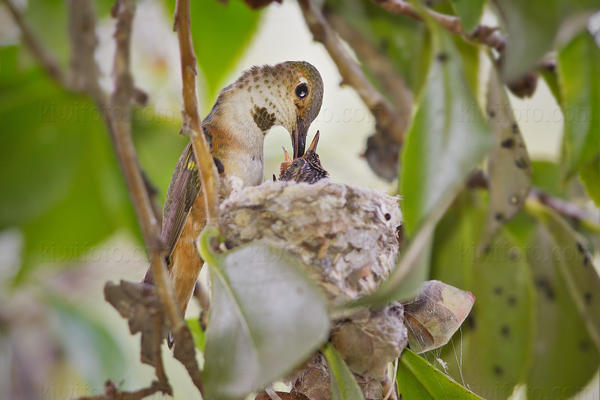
x,y
307,168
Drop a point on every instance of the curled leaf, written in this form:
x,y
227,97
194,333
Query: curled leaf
x,y
139,305
435,314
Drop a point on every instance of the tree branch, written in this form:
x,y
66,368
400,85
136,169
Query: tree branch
x,y
45,58
112,392
569,210
482,34
118,117
191,120
82,36
387,119
375,61
566,209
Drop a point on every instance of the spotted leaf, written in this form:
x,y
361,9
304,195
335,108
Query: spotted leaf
x,y
509,167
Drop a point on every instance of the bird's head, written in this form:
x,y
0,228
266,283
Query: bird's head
x,y
306,90
288,94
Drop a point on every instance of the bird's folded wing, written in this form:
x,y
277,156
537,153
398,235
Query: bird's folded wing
x,y
183,189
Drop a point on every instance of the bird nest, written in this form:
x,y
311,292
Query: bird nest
x,y
347,239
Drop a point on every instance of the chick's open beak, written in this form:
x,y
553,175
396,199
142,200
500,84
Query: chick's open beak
x,y
313,144
299,138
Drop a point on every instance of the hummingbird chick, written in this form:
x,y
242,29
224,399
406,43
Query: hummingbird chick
x,y
307,168
288,94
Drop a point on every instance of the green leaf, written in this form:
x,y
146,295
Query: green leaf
x,y
546,176
67,191
495,343
560,337
551,78
42,147
590,176
159,145
498,349
470,59
417,379
578,71
509,168
469,13
448,137
94,206
89,346
266,318
197,333
574,267
221,31
55,35
343,384
532,27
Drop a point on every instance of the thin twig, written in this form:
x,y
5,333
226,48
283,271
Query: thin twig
x,y
112,392
159,368
375,61
482,34
567,209
191,119
387,119
82,35
119,121
46,59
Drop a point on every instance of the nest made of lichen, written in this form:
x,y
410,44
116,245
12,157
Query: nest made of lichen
x,y
345,236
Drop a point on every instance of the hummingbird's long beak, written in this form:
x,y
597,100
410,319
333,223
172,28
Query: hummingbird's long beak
x,y
299,138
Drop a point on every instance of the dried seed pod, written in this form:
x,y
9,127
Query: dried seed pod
x,y
313,381
382,155
345,236
435,314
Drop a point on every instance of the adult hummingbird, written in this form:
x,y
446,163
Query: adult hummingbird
x,y
287,94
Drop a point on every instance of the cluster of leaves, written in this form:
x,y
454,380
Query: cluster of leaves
x,y
537,292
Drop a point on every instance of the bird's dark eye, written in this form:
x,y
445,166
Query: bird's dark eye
x,y
302,90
